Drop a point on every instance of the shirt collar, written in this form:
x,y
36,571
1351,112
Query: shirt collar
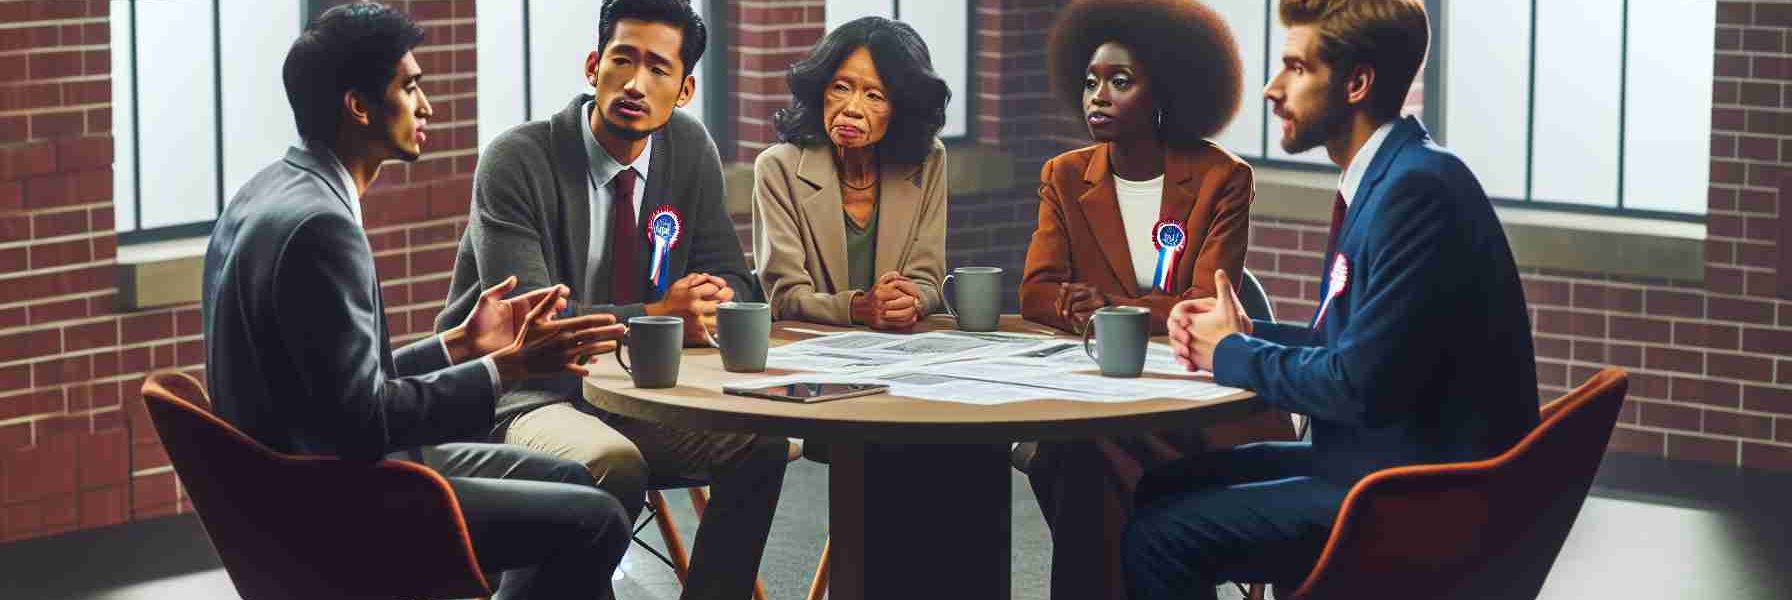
x,y
603,166
1352,178
348,181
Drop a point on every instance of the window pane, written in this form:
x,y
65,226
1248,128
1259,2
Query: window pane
x,y
499,48
1246,18
560,35
1278,37
175,95
124,145
1486,66
258,124
1667,136
1574,156
945,28
839,12
710,54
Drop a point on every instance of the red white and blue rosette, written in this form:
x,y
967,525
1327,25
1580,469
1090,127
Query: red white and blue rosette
x,y
664,228
1169,238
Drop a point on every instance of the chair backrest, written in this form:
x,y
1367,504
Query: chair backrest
x,y
1484,529
312,527
1255,298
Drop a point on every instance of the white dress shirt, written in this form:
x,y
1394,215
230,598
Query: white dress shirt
x,y
1140,203
1352,178
603,169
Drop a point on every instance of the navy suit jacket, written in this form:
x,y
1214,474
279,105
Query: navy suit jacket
x,y
1424,354
297,351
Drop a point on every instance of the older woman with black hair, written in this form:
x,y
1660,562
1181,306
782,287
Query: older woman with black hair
x,y
849,211
1142,218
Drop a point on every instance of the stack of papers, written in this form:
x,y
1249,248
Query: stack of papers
x,y
980,368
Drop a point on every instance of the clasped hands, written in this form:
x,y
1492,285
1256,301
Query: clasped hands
x,y
893,302
694,298
1197,326
524,338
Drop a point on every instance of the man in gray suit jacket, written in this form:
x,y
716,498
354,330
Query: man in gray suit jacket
x,y
562,201
298,353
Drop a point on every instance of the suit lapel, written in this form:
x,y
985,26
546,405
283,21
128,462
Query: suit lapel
x,y
1180,195
572,176
898,207
825,209
1101,210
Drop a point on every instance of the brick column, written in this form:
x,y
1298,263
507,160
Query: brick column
x,y
764,38
64,451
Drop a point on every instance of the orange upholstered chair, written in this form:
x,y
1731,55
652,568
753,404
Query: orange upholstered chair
x,y
312,527
1488,529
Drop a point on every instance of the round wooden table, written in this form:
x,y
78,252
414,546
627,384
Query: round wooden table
x,y
926,510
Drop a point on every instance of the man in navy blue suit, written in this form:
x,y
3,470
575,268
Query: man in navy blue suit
x,y
1420,350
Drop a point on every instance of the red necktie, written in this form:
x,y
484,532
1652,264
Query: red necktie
x,y
625,277
1331,239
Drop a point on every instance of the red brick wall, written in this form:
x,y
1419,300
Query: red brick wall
x,y
764,38
76,448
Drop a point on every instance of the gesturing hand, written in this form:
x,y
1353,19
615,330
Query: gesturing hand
x,y
545,345
1197,326
494,321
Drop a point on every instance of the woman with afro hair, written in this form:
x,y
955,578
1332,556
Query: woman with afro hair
x,y
1141,218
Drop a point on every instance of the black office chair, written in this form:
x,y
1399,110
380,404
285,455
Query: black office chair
x,y
1255,299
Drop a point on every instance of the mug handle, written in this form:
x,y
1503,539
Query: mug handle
x,y
1088,330
710,335
946,298
620,342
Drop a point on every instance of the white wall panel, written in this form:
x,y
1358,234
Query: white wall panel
x,y
1667,135
945,26
1575,131
1486,74
839,12
1246,19
178,115
499,47
124,143
560,35
258,123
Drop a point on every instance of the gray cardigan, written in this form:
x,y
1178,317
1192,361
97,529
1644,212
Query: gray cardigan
x,y
531,218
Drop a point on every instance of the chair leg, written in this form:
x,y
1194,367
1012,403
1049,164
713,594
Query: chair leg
x,y
818,588
681,561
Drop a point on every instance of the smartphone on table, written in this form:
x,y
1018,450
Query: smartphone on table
x,y
808,392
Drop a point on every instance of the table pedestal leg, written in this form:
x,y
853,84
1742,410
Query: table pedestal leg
x,y
918,522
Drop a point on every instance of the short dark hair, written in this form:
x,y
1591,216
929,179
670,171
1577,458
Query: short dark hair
x,y
918,95
677,13
1190,57
349,47
1389,36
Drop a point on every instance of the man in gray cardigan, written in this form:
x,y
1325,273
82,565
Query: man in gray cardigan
x,y
552,204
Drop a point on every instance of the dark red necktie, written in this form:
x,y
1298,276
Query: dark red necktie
x,y
625,278
1331,239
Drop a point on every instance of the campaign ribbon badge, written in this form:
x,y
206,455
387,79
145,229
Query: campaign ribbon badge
x,y
664,227
1169,238
1340,277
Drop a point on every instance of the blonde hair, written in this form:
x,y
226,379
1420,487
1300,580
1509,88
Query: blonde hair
x,y
1389,36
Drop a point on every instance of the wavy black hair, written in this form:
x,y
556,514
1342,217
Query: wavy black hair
x,y
918,96
349,47
677,13
1189,55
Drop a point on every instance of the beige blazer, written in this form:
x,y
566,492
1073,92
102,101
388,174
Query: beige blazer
x,y
799,233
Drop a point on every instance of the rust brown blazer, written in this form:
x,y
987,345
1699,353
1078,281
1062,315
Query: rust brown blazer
x,y
1080,237
799,231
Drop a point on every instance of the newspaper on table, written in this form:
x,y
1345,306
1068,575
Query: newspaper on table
x,y
979,368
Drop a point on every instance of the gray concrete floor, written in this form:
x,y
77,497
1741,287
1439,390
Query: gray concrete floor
x,y
1624,545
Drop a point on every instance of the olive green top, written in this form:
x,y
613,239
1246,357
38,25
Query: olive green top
x,y
861,251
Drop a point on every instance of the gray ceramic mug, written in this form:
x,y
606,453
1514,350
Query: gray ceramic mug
x,y
976,302
655,345
743,333
1121,333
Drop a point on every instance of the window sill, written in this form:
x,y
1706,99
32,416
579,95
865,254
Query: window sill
x,y
1541,239
159,274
